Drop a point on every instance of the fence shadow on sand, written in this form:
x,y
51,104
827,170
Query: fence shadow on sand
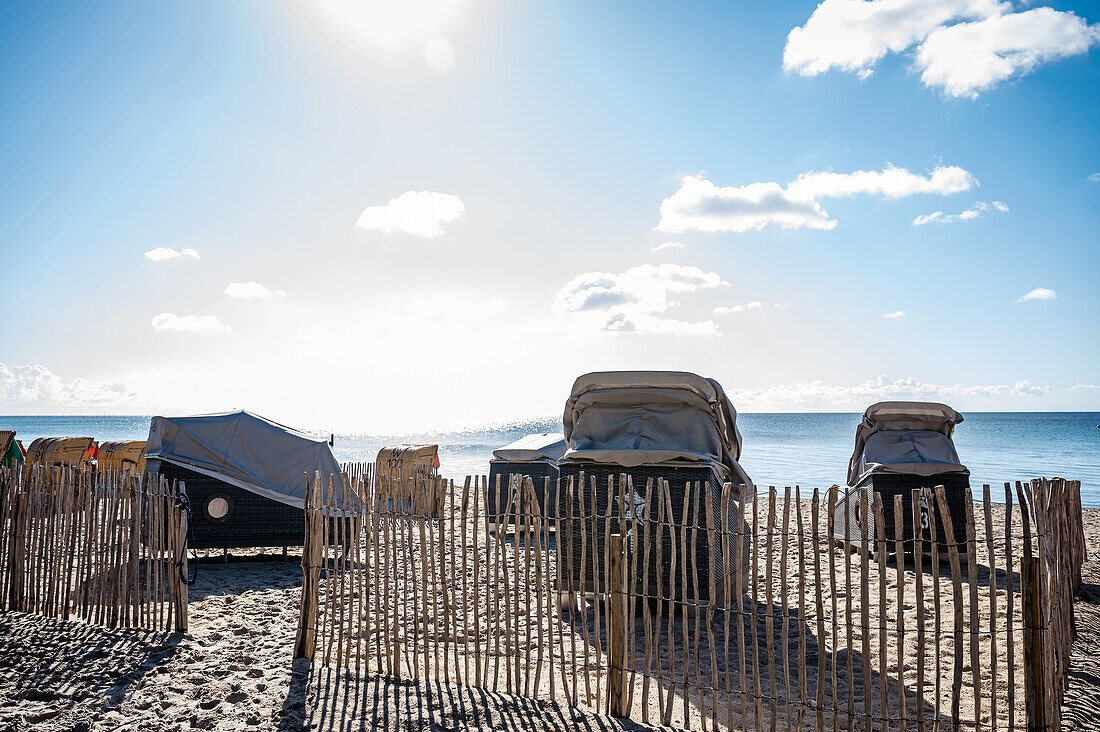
x,y
68,663
338,699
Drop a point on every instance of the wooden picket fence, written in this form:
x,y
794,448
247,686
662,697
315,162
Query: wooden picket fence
x,y
105,547
810,633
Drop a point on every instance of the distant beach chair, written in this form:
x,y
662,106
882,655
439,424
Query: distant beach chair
x,y
11,453
669,425
534,456
402,475
122,455
901,447
74,452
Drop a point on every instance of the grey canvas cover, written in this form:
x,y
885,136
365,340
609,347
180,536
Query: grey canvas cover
x,y
537,447
912,438
634,418
245,450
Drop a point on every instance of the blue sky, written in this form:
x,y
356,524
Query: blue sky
x,y
548,150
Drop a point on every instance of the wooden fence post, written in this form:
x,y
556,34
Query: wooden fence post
x,y
305,643
184,521
1034,674
616,628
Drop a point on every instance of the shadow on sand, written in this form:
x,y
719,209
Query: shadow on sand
x,y
70,663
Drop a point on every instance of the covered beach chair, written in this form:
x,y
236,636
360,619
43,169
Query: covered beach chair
x,y
901,447
534,456
75,452
246,476
405,479
669,425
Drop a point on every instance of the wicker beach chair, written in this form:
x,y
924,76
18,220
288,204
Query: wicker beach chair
x,y
75,452
534,456
121,455
901,447
645,425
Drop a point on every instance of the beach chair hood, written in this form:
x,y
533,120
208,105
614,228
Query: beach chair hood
x,y
634,418
245,450
538,447
912,438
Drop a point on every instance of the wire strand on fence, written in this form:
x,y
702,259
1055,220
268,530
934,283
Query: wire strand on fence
x,y
732,608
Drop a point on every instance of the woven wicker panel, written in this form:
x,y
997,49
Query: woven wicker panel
x,y
956,488
537,472
706,561
253,520
60,451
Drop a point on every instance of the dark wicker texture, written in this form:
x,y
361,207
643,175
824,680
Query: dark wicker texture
x,y
538,472
956,487
571,521
253,520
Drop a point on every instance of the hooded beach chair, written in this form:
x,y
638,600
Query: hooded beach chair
x,y
901,447
533,456
668,425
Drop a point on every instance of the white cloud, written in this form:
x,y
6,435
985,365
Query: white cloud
x,y
634,300
700,205
1088,388
1039,293
819,395
754,305
418,213
891,182
894,315
251,290
164,254
974,212
36,386
668,245
963,47
966,59
189,323
1095,178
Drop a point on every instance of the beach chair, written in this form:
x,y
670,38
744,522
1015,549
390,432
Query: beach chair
x,y
644,425
11,453
404,476
75,452
246,477
534,456
121,455
901,447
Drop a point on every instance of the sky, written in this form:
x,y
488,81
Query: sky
x,y
433,214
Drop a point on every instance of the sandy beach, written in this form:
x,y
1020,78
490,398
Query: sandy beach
x,y
234,670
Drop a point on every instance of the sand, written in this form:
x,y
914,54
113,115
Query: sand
x,y
234,670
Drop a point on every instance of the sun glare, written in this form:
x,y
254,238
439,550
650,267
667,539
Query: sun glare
x,y
388,24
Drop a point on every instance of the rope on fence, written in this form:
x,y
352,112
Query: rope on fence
x,y
730,617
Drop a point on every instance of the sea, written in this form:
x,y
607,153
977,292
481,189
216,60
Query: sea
x,y
810,450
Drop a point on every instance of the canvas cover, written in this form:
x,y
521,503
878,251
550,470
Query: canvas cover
x,y
245,450
905,437
634,418
538,447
